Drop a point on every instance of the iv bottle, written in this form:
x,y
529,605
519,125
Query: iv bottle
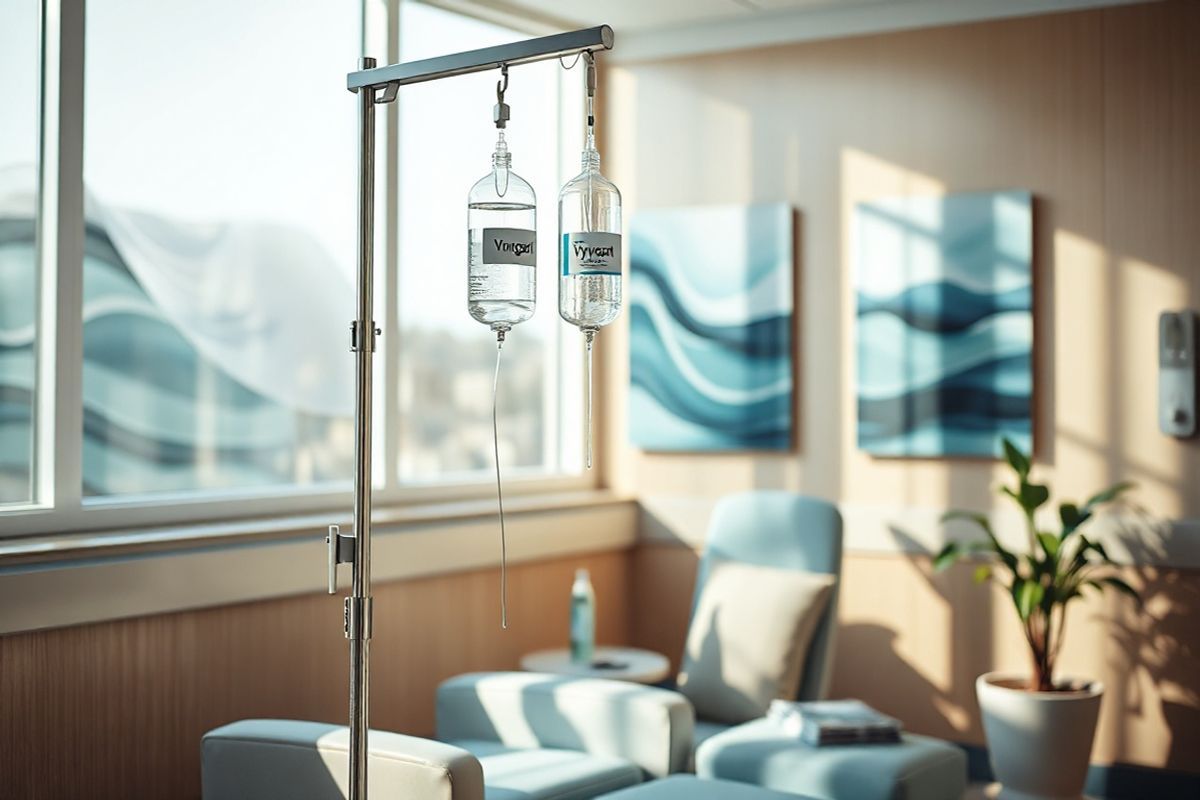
x,y
583,618
502,245
589,256
589,224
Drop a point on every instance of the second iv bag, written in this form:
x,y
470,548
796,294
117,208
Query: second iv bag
x,y
589,227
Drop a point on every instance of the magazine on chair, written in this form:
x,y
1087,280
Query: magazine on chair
x,y
830,722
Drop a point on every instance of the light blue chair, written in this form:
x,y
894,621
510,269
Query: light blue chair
x,y
288,759
786,531
546,737
539,736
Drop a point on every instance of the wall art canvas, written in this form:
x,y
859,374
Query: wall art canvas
x,y
944,324
711,305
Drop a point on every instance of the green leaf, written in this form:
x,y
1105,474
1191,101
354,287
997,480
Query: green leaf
x,y
947,556
1049,543
983,573
1027,594
1090,545
1067,595
1016,459
1072,518
1032,496
980,520
1122,586
1108,495
1049,598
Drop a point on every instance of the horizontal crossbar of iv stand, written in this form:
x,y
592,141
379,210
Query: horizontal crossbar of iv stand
x,y
526,52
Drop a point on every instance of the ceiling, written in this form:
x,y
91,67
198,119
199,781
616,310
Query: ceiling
x,y
655,29
634,15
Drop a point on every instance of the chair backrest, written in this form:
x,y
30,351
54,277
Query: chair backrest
x,y
287,759
789,531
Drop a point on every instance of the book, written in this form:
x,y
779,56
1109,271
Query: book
x,y
830,722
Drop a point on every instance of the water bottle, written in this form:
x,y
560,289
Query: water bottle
x,y
583,619
501,245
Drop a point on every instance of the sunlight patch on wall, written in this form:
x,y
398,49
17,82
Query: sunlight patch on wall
x,y
1148,456
1083,374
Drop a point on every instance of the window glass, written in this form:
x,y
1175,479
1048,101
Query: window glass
x,y
19,82
447,359
220,167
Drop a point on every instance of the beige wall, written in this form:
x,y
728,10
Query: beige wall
x,y
1098,114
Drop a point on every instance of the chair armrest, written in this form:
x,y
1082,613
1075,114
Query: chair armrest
x,y
649,727
279,759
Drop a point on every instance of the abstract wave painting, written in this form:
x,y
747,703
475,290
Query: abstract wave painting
x,y
944,324
711,328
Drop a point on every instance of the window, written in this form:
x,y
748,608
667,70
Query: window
x,y
19,82
218,274
219,231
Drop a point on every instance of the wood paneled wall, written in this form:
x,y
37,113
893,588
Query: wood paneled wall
x,y
116,710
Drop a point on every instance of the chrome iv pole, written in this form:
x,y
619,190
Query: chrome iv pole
x,y
376,85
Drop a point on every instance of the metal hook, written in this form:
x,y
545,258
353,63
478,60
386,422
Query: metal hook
x,y
501,113
502,87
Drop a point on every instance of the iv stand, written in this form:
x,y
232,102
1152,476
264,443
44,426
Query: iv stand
x,y
379,85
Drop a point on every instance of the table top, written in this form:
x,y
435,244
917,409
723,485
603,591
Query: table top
x,y
616,663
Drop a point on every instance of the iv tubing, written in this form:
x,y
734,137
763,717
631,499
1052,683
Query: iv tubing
x,y
499,488
589,335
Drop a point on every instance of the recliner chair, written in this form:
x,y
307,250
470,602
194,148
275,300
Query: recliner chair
x,y
769,528
284,759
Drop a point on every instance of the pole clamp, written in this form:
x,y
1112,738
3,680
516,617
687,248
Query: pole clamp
x,y
357,616
340,549
358,341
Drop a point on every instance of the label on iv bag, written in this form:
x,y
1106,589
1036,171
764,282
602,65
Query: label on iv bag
x,y
510,246
591,254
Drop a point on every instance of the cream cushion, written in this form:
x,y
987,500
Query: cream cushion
x,y
749,637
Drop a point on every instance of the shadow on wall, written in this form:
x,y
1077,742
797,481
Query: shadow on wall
x,y
1160,642
896,688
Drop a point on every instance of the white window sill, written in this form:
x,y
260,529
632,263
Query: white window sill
x,y
50,582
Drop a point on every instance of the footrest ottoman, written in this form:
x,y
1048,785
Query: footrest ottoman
x,y
688,787
759,752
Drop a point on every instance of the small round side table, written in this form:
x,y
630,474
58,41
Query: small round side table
x,y
616,663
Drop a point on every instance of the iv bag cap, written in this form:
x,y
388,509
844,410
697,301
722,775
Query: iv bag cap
x,y
582,574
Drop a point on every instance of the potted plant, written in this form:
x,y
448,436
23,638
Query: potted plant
x,y
1040,728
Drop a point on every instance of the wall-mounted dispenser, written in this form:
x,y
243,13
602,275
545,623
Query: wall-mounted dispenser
x,y
1177,373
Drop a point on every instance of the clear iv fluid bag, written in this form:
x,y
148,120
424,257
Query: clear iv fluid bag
x,y
589,226
502,246
589,259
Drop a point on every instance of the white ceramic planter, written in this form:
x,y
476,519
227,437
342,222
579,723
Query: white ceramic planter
x,y
1039,742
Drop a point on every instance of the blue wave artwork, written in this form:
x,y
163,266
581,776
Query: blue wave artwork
x,y
944,324
711,328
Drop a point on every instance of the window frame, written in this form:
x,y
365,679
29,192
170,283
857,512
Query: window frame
x,y
58,505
